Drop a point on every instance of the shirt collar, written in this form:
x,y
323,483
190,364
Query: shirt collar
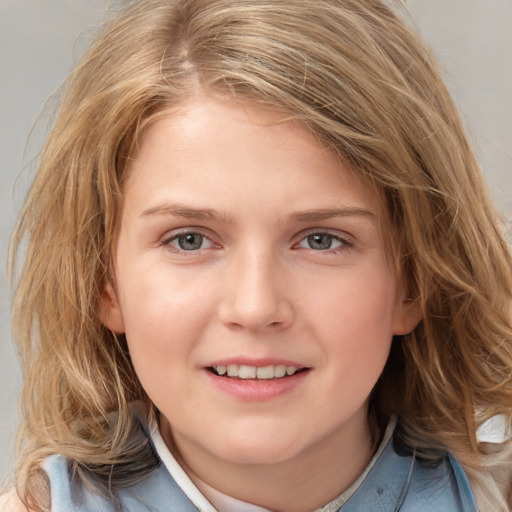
x,y
207,499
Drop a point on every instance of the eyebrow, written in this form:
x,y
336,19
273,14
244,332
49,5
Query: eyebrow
x,y
329,213
185,211
181,210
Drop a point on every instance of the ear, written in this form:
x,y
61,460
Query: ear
x,y
408,317
111,315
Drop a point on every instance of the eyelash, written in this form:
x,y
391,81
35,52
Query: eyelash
x,y
344,243
167,242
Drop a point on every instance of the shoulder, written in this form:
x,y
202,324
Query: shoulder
x,y
399,480
492,483
441,485
10,502
155,491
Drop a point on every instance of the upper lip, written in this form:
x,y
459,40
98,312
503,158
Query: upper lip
x,y
258,362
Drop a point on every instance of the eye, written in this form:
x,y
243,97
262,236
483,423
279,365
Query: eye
x,y
322,242
188,242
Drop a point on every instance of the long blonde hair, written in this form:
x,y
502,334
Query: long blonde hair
x,y
364,84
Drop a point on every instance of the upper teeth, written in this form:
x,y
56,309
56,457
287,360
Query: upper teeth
x,y
243,371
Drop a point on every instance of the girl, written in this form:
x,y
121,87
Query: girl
x,y
262,272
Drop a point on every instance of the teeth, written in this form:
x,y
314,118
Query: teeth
x,y
255,372
280,370
247,372
232,370
265,372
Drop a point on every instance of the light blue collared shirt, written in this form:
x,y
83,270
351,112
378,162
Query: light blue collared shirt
x,y
395,483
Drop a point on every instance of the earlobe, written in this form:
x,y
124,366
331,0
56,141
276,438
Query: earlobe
x,y
111,315
409,317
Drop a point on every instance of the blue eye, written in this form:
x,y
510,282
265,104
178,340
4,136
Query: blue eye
x,y
189,242
321,242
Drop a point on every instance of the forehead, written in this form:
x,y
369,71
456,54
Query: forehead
x,y
226,152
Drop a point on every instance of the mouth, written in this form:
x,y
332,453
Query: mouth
x,y
246,372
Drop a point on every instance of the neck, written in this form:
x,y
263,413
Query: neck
x,y
302,483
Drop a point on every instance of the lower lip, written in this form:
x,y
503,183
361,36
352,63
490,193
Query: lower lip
x,y
253,390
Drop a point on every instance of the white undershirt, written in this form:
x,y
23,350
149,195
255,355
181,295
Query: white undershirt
x,y
207,499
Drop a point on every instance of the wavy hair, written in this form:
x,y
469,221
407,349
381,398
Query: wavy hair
x,y
368,88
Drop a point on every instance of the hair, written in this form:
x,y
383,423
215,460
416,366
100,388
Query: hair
x,y
364,84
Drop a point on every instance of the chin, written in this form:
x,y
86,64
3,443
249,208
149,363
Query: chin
x,y
258,450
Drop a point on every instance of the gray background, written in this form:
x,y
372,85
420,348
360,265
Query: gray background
x,y
40,40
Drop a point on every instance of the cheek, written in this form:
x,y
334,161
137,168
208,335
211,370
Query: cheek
x,y
164,316
358,301
354,318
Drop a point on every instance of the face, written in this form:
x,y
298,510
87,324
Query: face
x,y
252,284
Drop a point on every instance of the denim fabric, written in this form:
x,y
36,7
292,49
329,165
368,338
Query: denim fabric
x,y
395,483
406,484
158,493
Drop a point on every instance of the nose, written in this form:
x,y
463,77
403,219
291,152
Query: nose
x,y
256,295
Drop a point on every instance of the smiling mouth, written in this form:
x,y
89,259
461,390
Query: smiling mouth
x,y
245,372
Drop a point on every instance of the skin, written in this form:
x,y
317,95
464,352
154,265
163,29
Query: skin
x,y
10,502
255,188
